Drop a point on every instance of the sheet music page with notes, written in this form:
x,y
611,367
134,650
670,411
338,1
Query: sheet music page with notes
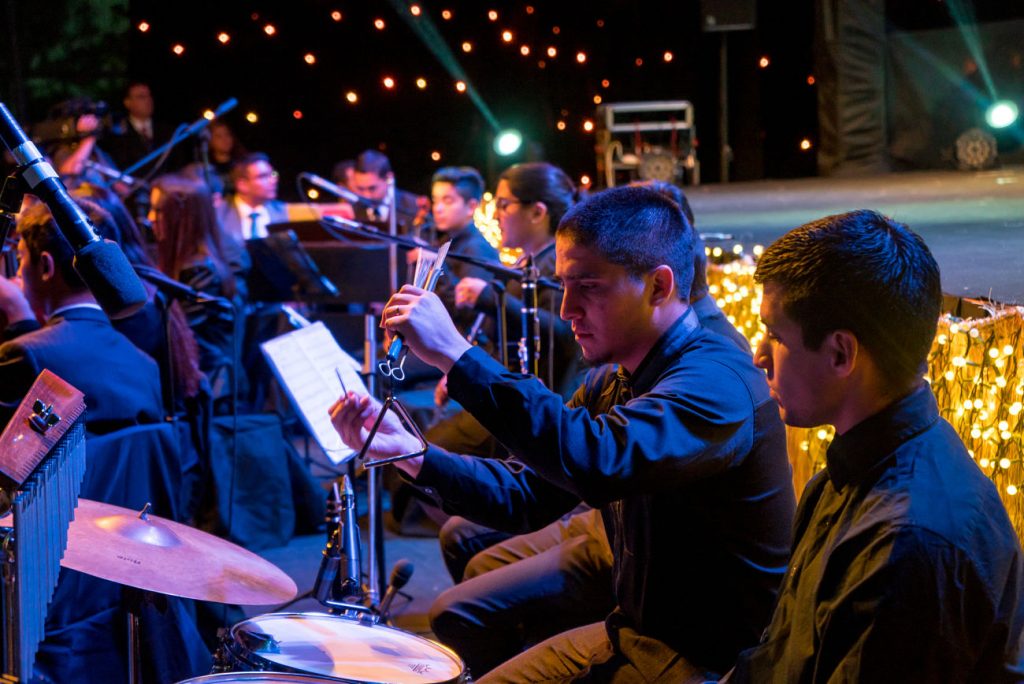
x,y
308,363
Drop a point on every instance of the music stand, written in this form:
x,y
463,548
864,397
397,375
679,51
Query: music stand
x,y
282,271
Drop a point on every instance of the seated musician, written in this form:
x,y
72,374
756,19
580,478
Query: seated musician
x,y
52,321
905,566
679,444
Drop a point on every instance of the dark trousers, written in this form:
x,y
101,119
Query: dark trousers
x,y
525,589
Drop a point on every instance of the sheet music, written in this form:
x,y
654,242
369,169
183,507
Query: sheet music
x,y
307,363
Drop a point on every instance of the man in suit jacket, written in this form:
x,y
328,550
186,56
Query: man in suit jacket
x,y
246,214
75,341
141,133
370,175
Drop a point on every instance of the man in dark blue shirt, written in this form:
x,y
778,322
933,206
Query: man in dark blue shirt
x,y
678,444
905,566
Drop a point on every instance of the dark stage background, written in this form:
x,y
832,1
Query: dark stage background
x,y
63,48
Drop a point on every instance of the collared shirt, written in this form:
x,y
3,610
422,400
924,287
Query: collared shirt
x,y
143,127
685,457
905,568
83,305
254,220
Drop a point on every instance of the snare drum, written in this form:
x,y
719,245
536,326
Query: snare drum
x,y
338,649
258,678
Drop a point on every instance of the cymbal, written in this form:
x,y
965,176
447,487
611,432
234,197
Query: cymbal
x,y
158,555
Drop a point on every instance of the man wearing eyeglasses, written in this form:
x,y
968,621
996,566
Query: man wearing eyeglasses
x,y
255,203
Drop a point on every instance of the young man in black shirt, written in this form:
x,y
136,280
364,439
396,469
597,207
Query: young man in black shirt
x,y
678,443
905,567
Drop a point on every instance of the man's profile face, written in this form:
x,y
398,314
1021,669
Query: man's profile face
x,y
369,185
798,377
139,102
451,210
602,301
259,185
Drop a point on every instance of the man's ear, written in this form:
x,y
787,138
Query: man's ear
x,y
663,284
843,350
47,266
538,210
473,203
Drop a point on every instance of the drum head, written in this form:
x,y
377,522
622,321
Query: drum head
x,y
258,678
332,646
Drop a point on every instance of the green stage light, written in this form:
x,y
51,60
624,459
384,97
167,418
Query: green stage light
x,y
508,142
1001,114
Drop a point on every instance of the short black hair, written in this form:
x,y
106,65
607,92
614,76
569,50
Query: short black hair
x,y
863,272
636,228
699,286
467,181
240,167
372,161
39,231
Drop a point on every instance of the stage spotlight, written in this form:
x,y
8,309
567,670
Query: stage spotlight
x,y
508,142
1001,114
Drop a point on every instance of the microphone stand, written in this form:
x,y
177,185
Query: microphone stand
x,y
180,135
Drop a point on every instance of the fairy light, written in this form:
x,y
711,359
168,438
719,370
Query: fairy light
x,y
252,117
388,82
810,80
763,62
143,26
223,38
352,97
379,24
309,58
178,49
584,180
208,114
581,57
639,61
560,125
446,15
805,144
467,46
605,83
297,114
524,50
668,56
270,30
313,194
460,86
435,155
597,99
421,83
506,36
588,125
492,15
415,10
336,15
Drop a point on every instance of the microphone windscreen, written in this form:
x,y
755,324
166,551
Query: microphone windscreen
x,y
401,573
113,282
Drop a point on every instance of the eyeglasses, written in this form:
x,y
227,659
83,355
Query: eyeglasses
x,y
503,203
265,175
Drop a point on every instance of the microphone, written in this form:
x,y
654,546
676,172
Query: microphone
x,y
337,190
328,572
351,584
400,575
100,263
113,174
179,290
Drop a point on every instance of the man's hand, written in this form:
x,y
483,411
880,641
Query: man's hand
x,y
353,416
13,304
428,330
467,292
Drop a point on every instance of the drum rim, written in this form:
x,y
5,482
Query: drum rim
x,y
274,666
255,674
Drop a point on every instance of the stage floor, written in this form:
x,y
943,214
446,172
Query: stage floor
x,y
972,221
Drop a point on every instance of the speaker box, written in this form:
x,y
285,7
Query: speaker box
x,y
728,15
